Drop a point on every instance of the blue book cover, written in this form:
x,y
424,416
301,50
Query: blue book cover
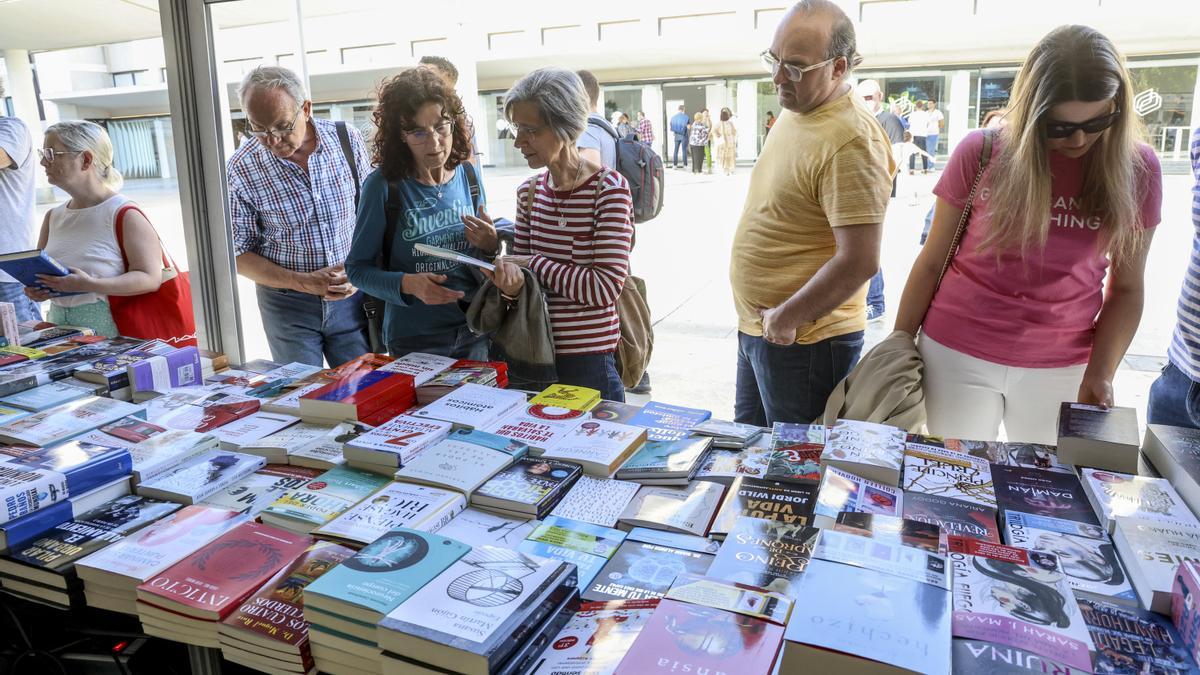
x,y
675,457
86,466
26,265
46,396
586,545
509,446
668,422
389,570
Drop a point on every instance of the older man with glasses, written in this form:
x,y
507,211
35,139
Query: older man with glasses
x,y
808,240
293,198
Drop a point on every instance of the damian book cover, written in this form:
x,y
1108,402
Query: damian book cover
x,y
1048,494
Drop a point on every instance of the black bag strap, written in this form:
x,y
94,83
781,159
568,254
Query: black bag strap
x,y
603,124
472,184
348,152
393,207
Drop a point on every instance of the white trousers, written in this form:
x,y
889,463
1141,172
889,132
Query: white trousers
x,y
968,398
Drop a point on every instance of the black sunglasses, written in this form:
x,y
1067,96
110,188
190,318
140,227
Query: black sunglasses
x,y
1092,126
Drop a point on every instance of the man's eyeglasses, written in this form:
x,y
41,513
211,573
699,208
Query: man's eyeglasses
x,y
48,154
278,132
790,71
1092,126
443,129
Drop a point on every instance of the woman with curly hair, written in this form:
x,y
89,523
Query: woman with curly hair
x,y
424,177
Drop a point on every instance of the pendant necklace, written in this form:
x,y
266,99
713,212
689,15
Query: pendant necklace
x,y
558,206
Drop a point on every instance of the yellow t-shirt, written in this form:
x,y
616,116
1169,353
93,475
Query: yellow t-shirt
x,y
828,168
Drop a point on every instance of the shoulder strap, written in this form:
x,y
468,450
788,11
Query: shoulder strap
x,y
119,233
392,209
603,124
348,152
530,194
985,155
472,184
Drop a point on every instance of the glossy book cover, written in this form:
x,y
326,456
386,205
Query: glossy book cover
x,y
681,637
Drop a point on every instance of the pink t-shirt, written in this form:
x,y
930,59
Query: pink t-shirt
x,y
1036,310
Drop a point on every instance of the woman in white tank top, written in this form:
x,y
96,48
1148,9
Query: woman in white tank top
x,y
81,233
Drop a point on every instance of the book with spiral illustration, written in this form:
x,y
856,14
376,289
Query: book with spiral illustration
x,y
212,582
938,471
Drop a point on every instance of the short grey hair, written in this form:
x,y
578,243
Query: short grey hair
x,y
81,136
272,77
560,99
842,39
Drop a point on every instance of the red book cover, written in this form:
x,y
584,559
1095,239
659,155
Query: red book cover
x,y
213,581
220,414
500,366
364,362
276,611
367,391
391,409
684,638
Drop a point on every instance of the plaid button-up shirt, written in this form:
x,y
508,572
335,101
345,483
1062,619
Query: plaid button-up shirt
x,y
299,220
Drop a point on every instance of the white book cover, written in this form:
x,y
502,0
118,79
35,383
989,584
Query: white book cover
x,y
841,491
403,436
472,405
1153,552
422,367
292,438
596,441
454,464
202,475
864,443
66,421
162,544
164,451
27,490
688,509
483,528
416,507
251,428
599,501
291,371
1119,495
949,473
254,493
325,452
47,396
538,426
1091,565
289,403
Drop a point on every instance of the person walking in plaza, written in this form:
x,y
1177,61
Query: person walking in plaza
x,y
645,130
873,96
679,129
698,142
1175,395
292,205
726,137
1022,320
624,128
918,126
770,122
18,162
421,150
708,155
597,142
81,232
576,236
933,131
808,240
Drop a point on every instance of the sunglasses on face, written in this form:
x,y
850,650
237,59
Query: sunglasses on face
x,y
1092,126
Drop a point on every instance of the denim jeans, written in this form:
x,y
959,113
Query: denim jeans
x,y
1174,400
918,141
458,343
681,143
14,292
597,371
931,143
875,291
790,383
304,328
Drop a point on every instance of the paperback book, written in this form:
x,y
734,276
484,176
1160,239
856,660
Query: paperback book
x,y
396,505
279,446
595,639
530,487
1046,499
65,421
1153,551
46,396
665,422
726,434
647,563
537,426
872,451
766,553
687,510
724,466
1101,438
796,451
463,461
599,446
421,367
584,545
788,503
599,501
472,406
1122,495
178,368
1131,640
481,528
397,441
1091,565
1175,453
255,492
322,499
251,429
915,533
955,517
201,476
841,491
937,471
612,411
666,462
567,396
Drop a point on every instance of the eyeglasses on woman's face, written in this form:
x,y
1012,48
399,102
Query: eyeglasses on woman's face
x,y
791,71
48,154
277,132
425,135
1056,129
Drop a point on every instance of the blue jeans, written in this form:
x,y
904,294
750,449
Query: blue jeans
x,y
875,291
1174,400
303,328
790,383
14,292
458,343
931,142
681,144
597,371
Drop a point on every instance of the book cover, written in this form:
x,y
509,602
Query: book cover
x,y
180,368
938,471
359,394
841,491
686,637
766,553
481,528
642,570
25,266
421,367
1121,495
1091,565
953,516
213,581
1153,552
276,611
1184,612
537,426
530,484
397,505
326,497
796,451
455,463
567,396
46,396
1027,455
734,433
584,545
1131,640
595,639
397,441
201,476
788,503
612,411
867,443
884,557
598,445
915,533
164,451
688,509
24,528
1089,423
129,430
65,421
388,570
667,458
251,429
979,657
723,466
160,544
257,491
82,466
1048,494
668,422
599,501
1017,598
472,405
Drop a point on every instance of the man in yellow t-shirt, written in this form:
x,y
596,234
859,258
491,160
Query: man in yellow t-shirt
x,y
808,239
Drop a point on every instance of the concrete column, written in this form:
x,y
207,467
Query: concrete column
x,y
18,82
958,122
652,105
464,43
160,144
747,119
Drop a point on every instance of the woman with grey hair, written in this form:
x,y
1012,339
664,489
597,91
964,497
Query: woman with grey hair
x,y
573,232
82,232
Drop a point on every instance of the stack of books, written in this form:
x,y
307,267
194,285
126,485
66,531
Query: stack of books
x,y
479,373
322,499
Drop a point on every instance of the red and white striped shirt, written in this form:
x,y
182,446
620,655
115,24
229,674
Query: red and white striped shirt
x,y
579,242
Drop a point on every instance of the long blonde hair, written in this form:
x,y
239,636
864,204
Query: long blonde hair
x,y
1072,63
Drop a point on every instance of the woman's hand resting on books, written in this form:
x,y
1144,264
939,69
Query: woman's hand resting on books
x,y
1096,390
508,276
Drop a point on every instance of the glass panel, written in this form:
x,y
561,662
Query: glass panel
x,y
626,101
1163,99
994,91
768,102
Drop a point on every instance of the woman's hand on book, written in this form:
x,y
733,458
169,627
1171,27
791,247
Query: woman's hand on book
x,y
37,294
77,281
481,232
508,277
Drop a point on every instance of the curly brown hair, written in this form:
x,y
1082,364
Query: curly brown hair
x,y
399,99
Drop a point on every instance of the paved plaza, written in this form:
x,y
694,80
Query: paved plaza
x,y
684,257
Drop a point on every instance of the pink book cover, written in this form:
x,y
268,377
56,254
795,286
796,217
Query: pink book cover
x,y
684,638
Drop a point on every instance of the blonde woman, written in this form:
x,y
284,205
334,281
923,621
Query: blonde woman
x,y
80,233
698,141
726,134
1022,320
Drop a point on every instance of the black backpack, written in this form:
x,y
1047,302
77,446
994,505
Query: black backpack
x,y
642,168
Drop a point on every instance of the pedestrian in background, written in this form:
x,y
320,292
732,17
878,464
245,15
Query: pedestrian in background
x,y
679,129
918,125
18,162
698,142
645,130
933,131
726,135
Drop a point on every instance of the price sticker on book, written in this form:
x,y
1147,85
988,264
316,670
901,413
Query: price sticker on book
x,y
732,597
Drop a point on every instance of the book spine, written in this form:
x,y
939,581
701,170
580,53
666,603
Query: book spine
x,y
103,470
563,585
20,531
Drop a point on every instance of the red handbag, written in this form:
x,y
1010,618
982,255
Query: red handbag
x,y
165,314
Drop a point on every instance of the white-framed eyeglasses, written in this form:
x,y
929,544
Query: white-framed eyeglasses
x,y
48,154
278,132
442,130
790,70
521,129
